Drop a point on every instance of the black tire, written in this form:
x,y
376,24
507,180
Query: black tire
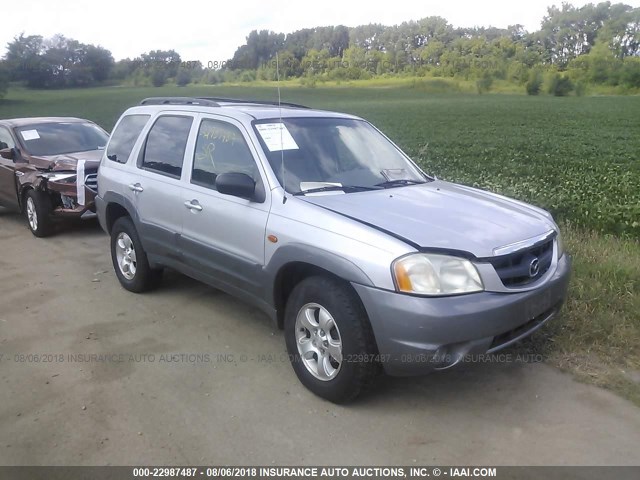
x,y
358,368
42,212
145,278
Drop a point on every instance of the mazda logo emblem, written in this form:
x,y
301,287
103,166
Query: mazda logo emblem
x,y
534,267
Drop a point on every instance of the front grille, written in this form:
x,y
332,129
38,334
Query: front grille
x,y
91,181
514,269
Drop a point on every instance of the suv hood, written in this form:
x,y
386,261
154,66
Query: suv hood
x,y
443,215
68,161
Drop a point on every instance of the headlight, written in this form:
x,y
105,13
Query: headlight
x,y
60,177
560,244
434,274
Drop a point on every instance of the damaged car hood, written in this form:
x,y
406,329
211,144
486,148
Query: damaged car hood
x,y
68,161
443,215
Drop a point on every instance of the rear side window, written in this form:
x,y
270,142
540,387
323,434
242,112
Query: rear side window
x,y
166,144
124,137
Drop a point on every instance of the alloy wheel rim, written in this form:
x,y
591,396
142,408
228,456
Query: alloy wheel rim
x,y
126,256
319,342
32,214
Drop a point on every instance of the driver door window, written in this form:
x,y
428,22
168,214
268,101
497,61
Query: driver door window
x,y
6,141
8,193
220,148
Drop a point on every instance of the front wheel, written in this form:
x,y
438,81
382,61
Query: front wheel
x,y
37,209
329,339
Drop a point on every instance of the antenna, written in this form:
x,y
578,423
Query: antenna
x,y
284,197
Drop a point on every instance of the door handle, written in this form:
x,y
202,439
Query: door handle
x,y
193,205
136,187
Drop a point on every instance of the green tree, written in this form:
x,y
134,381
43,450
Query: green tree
x,y
158,76
630,76
534,85
484,83
368,37
99,61
315,62
622,31
166,60
560,85
260,47
599,66
183,77
4,79
568,31
123,69
22,57
56,62
432,52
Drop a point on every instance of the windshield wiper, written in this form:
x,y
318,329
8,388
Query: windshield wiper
x,y
399,183
333,188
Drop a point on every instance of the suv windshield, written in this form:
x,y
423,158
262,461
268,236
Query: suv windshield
x,y
325,154
60,138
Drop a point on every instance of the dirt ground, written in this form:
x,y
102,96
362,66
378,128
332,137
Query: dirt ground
x,y
189,375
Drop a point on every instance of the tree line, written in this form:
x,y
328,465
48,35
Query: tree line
x,y
593,44
61,62
597,44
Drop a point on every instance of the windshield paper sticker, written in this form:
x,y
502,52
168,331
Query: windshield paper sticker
x,y
276,136
30,135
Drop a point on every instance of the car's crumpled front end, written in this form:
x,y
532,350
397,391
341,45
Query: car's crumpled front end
x,y
71,181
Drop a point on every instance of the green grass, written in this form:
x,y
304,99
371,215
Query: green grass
x,y
576,156
598,335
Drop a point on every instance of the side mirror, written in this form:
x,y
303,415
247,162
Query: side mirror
x,y
8,153
236,184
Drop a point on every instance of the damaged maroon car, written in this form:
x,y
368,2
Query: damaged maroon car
x,y
49,168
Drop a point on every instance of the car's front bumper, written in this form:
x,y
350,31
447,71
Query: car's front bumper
x,y
416,334
70,207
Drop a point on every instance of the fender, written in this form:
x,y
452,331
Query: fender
x,y
317,257
113,197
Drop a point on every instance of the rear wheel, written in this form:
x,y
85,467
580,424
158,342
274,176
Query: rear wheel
x,y
129,258
37,209
329,339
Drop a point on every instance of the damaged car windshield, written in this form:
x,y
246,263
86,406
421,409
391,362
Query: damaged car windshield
x,y
62,138
326,154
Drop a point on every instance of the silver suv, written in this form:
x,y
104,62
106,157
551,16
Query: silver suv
x,y
319,220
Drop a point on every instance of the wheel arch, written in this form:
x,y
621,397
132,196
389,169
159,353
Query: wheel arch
x,y
38,184
293,263
115,207
113,212
22,195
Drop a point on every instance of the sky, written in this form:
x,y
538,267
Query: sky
x,y
211,31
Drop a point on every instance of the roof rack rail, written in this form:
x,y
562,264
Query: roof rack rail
x,y
206,102
256,102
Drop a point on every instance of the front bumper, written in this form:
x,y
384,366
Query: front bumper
x,y
416,335
69,206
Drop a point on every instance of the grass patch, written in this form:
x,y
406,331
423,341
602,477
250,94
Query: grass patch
x,y
597,336
576,156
